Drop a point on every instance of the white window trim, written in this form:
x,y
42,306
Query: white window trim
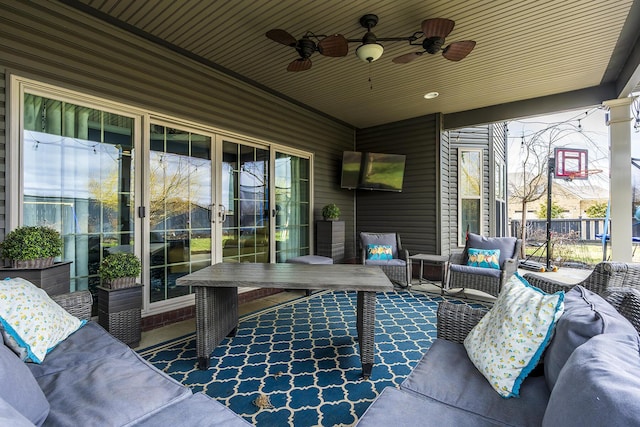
x,y
480,197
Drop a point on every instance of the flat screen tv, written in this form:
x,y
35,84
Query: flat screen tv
x,y
382,172
351,165
372,171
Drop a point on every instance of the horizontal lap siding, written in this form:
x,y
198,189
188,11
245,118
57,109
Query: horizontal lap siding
x,y
50,42
413,213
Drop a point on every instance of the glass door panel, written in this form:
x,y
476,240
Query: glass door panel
x,y
78,178
245,203
180,199
292,196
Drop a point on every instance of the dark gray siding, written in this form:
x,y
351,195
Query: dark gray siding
x,y
50,42
413,213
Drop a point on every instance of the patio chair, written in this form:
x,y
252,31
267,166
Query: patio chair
x,y
606,277
385,250
458,273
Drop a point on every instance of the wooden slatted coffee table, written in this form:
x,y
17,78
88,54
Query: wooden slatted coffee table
x,y
216,291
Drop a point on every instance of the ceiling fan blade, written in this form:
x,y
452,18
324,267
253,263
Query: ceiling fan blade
x,y
282,37
300,64
437,27
334,46
406,58
458,50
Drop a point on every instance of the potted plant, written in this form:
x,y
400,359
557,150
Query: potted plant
x,y
31,247
119,270
331,212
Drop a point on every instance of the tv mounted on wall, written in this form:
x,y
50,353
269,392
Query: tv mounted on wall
x,y
372,171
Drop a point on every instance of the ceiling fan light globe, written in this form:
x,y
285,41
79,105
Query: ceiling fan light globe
x,y
369,52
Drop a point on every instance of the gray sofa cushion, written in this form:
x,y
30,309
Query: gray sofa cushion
x,y
9,416
446,374
395,261
586,314
599,385
380,239
198,410
19,389
506,245
105,389
402,408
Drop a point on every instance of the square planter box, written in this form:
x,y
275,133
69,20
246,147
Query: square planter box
x,y
55,280
120,312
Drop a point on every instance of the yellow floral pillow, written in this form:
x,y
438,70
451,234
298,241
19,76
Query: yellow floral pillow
x,y
31,320
508,341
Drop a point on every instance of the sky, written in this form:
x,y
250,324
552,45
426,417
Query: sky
x,y
591,132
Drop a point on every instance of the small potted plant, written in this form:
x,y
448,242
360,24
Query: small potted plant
x,y
331,212
119,270
31,247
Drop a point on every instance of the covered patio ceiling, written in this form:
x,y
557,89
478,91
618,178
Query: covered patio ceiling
x,y
530,58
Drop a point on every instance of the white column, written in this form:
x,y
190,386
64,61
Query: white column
x,y
620,182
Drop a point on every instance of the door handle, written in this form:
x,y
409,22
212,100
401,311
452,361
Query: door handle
x,y
222,213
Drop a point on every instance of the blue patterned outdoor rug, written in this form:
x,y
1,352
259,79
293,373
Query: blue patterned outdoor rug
x,y
298,363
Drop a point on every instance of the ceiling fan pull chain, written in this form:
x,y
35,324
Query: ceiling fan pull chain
x,y
370,82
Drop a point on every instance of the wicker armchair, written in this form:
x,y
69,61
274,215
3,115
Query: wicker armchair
x,y
397,269
457,274
605,276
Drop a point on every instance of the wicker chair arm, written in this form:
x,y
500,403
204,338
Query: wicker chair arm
x,y
403,254
455,321
76,303
547,285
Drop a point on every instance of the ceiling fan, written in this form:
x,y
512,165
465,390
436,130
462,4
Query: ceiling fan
x,y
434,32
334,46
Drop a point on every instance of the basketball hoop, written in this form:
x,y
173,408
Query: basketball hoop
x,y
581,174
571,163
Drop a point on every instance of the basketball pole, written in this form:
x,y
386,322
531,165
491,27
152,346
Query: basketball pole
x,y
551,171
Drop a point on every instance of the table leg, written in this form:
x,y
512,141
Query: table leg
x,y
216,318
366,316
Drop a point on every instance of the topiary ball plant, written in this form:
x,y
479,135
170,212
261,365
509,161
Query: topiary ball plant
x,y
121,265
331,212
31,246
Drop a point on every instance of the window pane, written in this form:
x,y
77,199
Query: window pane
x,y
470,173
78,179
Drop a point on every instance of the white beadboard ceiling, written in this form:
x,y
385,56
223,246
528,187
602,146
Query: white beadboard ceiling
x,y
525,49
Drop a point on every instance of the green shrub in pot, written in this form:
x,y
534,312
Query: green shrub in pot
x,y
119,269
331,212
31,246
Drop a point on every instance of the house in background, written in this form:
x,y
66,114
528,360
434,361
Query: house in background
x,y
115,117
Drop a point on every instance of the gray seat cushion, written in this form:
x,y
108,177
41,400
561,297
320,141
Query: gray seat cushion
x,y
480,271
446,374
586,314
402,408
506,245
19,389
386,262
599,385
198,410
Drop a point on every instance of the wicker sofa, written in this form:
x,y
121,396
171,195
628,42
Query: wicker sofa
x,y
597,384
92,379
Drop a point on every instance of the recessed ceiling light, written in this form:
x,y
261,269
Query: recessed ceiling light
x,y
431,95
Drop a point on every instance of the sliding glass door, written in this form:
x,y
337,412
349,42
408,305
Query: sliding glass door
x,y
292,198
244,209
180,198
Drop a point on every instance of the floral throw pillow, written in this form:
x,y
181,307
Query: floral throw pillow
x,y
379,252
31,320
509,340
485,258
